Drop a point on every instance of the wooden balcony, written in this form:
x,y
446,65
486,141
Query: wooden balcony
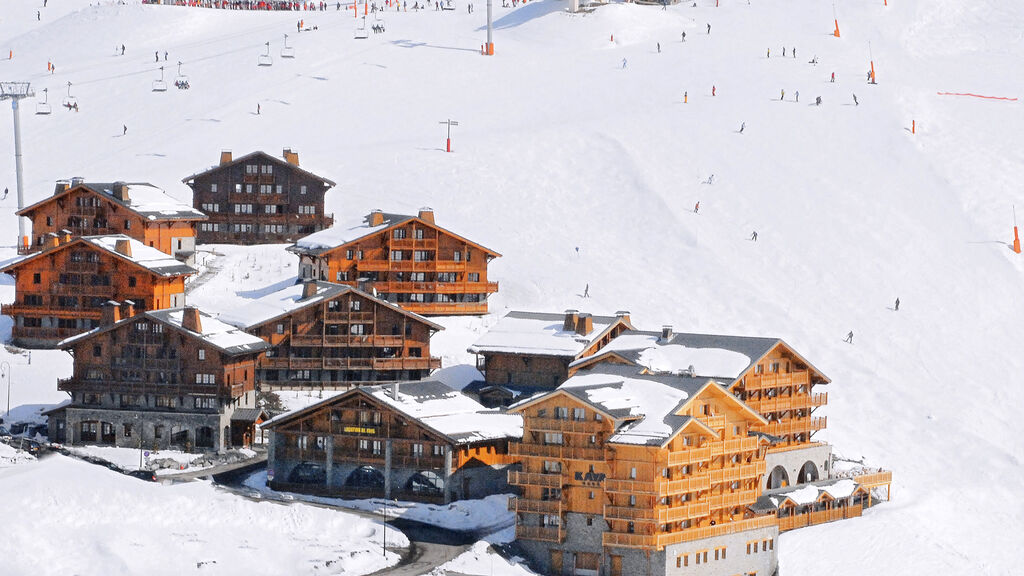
x,y
742,472
689,456
875,479
695,483
306,363
787,403
348,317
555,451
445,308
373,265
794,521
630,513
713,422
518,478
465,287
734,446
732,499
624,540
450,265
791,426
563,425
776,380
411,265
689,534
83,290
347,340
533,506
413,243
406,363
541,533
686,512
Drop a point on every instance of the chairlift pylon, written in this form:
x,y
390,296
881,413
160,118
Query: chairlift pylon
x,y
361,32
265,59
181,80
160,85
44,106
287,51
70,101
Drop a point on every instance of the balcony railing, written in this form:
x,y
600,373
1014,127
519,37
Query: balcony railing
x,y
445,308
342,317
559,451
406,363
743,472
732,499
518,478
794,521
450,265
717,530
542,533
734,446
632,513
786,403
413,243
686,512
563,425
796,426
776,380
668,487
875,479
533,506
465,287
689,456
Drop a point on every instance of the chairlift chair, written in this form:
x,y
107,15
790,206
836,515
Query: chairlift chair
x,y
265,59
378,22
160,85
181,80
287,51
44,106
70,101
361,32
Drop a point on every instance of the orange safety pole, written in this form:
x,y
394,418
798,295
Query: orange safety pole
x,y
873,72
836,33
1016,241
355,8
913,126
365,8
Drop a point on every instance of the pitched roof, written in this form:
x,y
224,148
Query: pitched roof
x,y
434,405
144,199
226,338
263,155
248,414
356,227
540,334
289,299
143,256
809,493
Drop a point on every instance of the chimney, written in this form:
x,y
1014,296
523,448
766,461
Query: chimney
x,y
585,324
666,332
52,240
61,186
571,316
427,214
376,218
225,157
121,192
65,236
623,314
110,313
308,289
127,309
394,391
291,157
123,246
190,319
77,181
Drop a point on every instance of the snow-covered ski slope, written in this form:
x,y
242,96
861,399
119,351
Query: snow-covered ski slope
x,y
559,146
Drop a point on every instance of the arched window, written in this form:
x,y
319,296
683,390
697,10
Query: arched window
x,y
808,473
778,478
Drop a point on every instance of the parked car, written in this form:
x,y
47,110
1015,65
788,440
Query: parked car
x,y
30,446
147,475
308,473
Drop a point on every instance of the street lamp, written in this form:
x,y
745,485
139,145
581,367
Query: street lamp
x,y
5,370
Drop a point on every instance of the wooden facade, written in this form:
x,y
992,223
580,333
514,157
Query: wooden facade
x,y
59,292
169,378
362,445
337,336
259,199
409,261
140,211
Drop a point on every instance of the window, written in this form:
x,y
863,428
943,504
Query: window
x,y
561,413
243,208
267,169
418,277
775,367
91,399
280,328
764,545
418,233
396,254
213,187
421,255
302,189
238,188
127,430
631,528
579,414
632,499
591,497
473,277
270,209
206,379
552,438
357,329
248,188
457,256
279,189
416,297
209,227
632,473
250,169
307,209
377,447
590,519
552,467
127,224
37,278
97,351
205,402
348,254
438,450
417,450
164,402
211,207
355,305
398,233
202,354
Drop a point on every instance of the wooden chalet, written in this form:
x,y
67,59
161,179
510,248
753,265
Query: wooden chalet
x,y
173,378
629,472
138,210
59,291
420,441
407,260
259,199
530,351
326,335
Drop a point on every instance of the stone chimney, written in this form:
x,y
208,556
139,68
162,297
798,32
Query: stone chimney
x,y
61,186
121,192
308,289
51,240
376,218
225,157
190,319
666,332
585,324
291,157
623,314
427,214
394,391
571,316
123,246
127,309
77,181
110,313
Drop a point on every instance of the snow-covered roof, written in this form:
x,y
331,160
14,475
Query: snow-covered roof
x,y
214,332
146,256
802,494
539,333
289,299
709,354
144,199
265,156
345,230
434,405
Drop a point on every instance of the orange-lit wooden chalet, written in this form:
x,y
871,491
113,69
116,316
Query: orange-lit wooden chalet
x,y
408,260
138,210
59,292
332,335
419,441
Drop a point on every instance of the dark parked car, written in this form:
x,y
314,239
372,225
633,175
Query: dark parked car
x,y
147,475
308,473
30,446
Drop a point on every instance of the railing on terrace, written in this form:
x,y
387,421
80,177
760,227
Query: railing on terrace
x,y
748,444
689,456
450,265
874,479
734,473
690,510
629,513
341,317
445,307
523,450
518,478
563,425
413,243
722,529
534,506
773,380
732,499
542,533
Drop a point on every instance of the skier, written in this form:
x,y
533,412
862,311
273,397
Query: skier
x,y
623,63
869,76
38,16
156,56
577,251
659,47
769,53
124,129
696,207
897,305
586,291
833,77
797,95
5,194
257,108
709,28
122,49
794,51
712,90
742,126
684,36
849,337
817,101
783,96
685,96
783,51
165,56
753,236
855,103
711,179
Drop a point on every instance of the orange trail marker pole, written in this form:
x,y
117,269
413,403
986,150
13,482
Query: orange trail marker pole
x,y
1016,237
836,18
871,55
913,126
836,33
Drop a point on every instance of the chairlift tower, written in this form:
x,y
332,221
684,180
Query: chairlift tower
x,y
16,91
